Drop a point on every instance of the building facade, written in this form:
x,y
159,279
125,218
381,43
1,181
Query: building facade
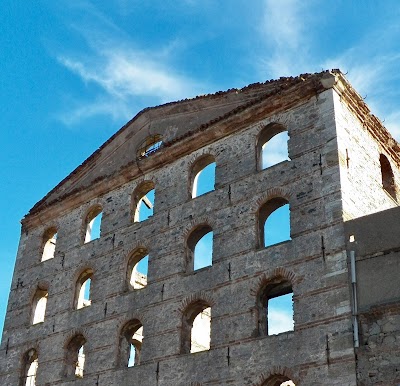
x,y
83,311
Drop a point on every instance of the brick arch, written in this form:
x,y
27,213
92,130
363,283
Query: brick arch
x,y
95,205
270,276
141,182
137,246
193,224
271,377
278,192
130,248
134,316
25,348
282,119
51,227
80,271
194,158
42,285
74,332
198,296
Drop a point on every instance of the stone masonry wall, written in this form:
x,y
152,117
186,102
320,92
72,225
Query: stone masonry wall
x,y
360,172
318,351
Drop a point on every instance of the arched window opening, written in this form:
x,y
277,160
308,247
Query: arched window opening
x,y
203,176
49,244
200,248
39,306
93,224
275,308
388,182
83,295
196,328
143,202
278,380
272,146
131,343
138,268
274,222
149,146
75,356
30,367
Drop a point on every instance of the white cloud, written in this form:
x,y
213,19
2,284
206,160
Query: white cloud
x,y
372,76
282,22
116,109
124,73
279,321
290,34
283,28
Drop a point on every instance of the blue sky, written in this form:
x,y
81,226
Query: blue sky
x,y
73,72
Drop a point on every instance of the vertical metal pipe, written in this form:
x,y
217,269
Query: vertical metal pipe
x,y
354,290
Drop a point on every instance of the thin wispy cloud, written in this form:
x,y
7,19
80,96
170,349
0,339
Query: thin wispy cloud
x,y
79,111
371,74
123,73
283,28
293,32
279,321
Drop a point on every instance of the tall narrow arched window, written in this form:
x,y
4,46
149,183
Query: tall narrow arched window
x,y
272,146
131,340
29,368
196,328
82,291
274,222
275,307
137,269
75,357
39,306
93,224
278,380
199,248
149,146
49,244
143,201
388,182
202,177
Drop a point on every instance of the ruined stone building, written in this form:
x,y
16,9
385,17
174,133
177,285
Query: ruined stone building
x,y
82,311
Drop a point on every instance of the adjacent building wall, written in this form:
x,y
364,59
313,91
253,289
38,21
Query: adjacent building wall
x,y
377,248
